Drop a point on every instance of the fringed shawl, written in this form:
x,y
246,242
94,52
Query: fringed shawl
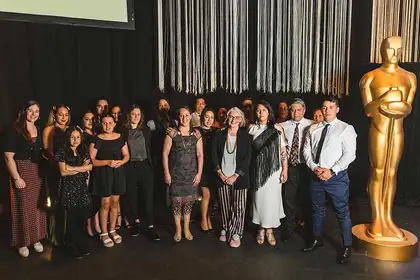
x,y
265,159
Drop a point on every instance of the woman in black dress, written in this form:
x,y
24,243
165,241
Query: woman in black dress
x,y
53,138
158,127
207,132
22,153
87,127
109,153
74,164
89,137
183,165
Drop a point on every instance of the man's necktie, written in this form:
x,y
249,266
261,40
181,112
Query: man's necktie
x,y
294,151
321,142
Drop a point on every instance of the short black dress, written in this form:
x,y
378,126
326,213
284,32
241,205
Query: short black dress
x,y
209,175
107,181
74,188
88,138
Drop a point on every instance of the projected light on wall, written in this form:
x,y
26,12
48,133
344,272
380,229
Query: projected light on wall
x,y
97,13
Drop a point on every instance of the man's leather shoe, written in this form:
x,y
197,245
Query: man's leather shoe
x,y
344,256
312,246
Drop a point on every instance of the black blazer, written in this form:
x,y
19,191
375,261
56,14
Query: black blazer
x,y
243,156
147,134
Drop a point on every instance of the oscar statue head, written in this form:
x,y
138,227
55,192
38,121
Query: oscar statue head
x,y
391,50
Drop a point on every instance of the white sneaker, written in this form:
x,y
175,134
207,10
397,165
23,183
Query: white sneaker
x,y
24,252
38,247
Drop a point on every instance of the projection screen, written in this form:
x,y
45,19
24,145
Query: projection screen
x,y
97,13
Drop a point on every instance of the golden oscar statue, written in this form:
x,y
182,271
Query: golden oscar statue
x,y
387,95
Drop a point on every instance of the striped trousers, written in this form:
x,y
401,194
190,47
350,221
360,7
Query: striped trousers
x,y
232,208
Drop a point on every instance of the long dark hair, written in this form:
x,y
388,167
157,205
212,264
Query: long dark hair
x,y
81,149
127,122
165,119
20,122
82,119
271,117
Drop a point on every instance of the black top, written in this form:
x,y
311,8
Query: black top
x,y
23,148
97,126
109,149
243,156
157,139
209,175
59,139
88,138
74,188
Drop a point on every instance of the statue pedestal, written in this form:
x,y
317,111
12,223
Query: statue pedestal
x,y
387,250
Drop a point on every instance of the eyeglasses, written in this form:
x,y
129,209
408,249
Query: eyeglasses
x,y
234,117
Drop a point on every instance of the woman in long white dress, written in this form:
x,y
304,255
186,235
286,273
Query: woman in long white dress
x,y
268,173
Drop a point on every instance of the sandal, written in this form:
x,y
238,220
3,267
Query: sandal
x,y
116,237
189,236
119,221
177,238
107,241
271,239
260,237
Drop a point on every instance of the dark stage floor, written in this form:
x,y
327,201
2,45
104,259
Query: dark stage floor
x,y
207,258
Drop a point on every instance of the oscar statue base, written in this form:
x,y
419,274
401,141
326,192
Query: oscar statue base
x,y
400,251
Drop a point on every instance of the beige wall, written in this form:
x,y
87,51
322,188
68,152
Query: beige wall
x,y
106,10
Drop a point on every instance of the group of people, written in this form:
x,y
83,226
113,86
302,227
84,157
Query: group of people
x,y
103,173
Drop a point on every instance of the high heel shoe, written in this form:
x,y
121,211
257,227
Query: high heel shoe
x,y
177,238
260,237
270,238
206,231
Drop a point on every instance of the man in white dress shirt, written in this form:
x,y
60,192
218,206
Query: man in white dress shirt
x,y
330,147
296,195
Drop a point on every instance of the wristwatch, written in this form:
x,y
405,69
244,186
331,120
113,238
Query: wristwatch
x,y
332,172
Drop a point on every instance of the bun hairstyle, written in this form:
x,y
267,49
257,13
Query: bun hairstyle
x,y
53,112
179,112
108,116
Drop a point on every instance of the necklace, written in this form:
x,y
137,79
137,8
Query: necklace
x,y
227,144
183,142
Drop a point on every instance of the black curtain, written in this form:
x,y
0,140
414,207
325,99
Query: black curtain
x,y
77,65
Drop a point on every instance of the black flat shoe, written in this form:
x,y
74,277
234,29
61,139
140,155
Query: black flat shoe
x,y
152,234
134,231
313,246
210,231
74,252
